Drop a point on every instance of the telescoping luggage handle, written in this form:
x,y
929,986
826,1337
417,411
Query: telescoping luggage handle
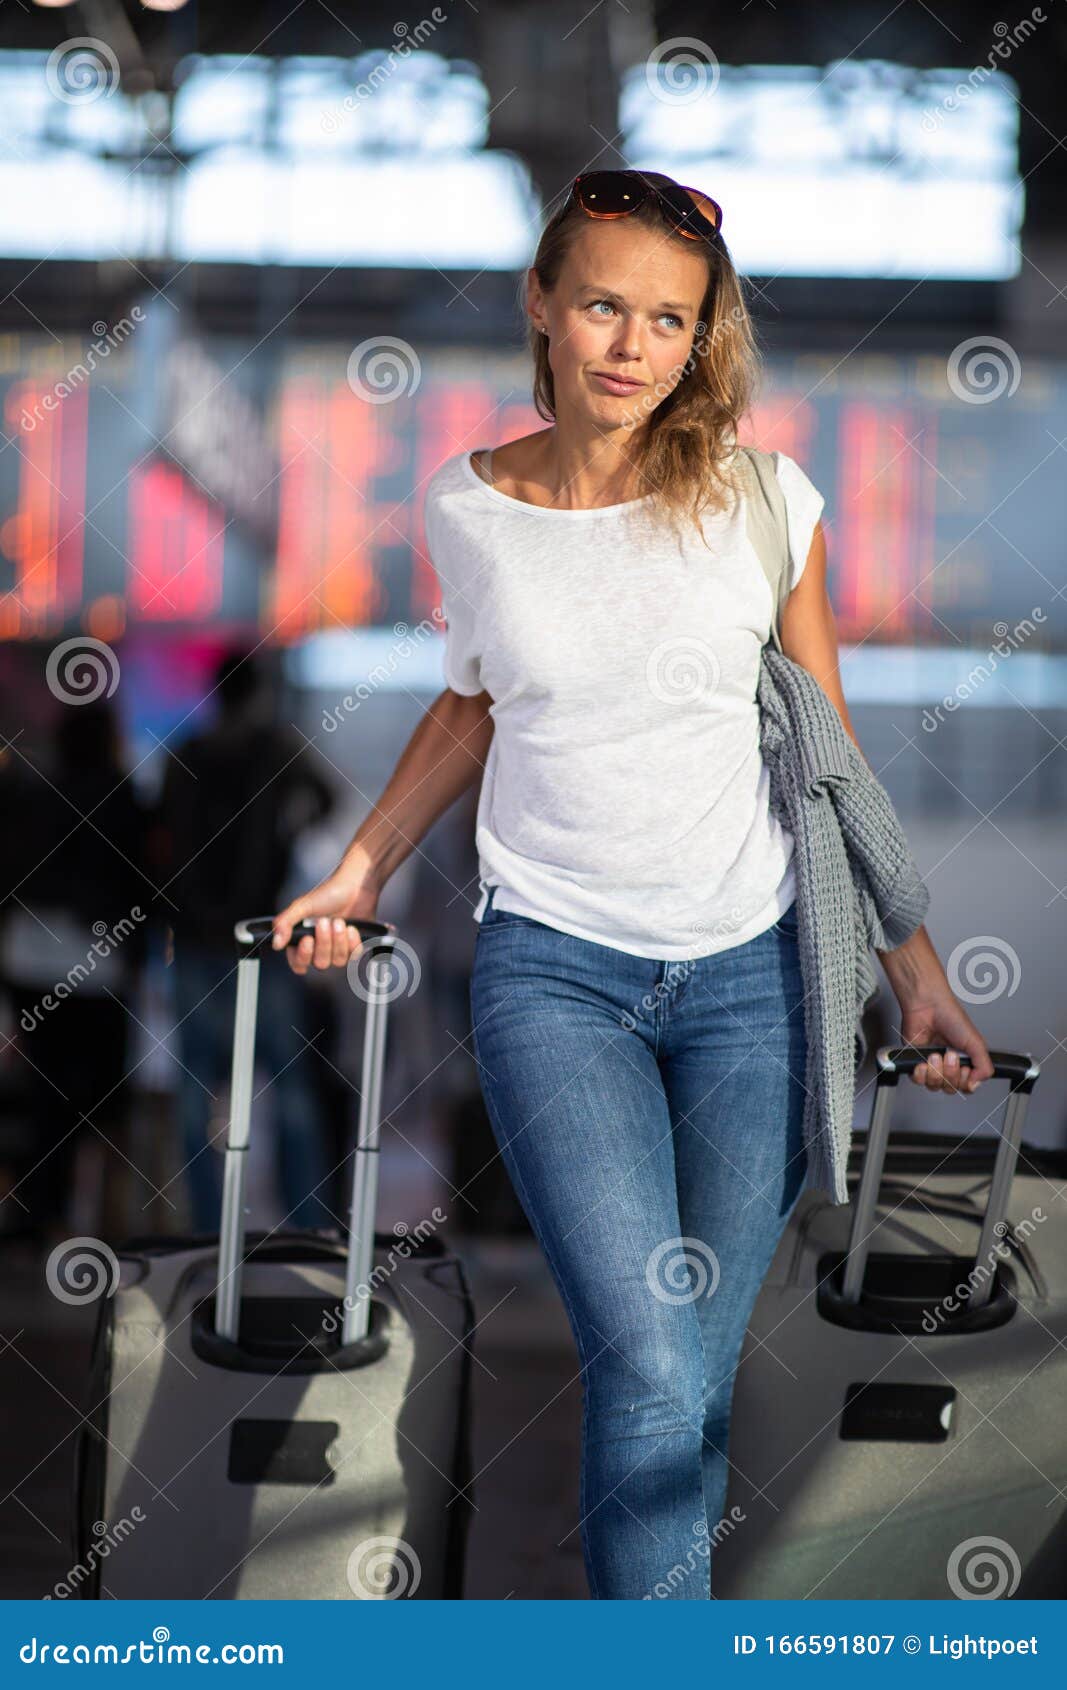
x,y
1022,1071
253,939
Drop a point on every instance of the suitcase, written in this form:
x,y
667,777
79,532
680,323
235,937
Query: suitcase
x,y
281,1415
896,1425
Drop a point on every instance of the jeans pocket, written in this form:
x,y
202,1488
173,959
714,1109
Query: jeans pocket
x,y
497,921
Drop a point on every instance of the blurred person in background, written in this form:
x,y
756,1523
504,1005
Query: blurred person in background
x,y
235,799
76,912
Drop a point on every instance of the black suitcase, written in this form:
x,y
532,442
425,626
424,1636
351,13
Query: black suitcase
x,y
282,1416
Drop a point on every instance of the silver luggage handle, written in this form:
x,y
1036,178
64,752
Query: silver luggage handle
x,y
893,1061
253,938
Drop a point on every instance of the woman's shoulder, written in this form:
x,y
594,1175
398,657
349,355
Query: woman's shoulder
x,y
447,477
791,475
795,481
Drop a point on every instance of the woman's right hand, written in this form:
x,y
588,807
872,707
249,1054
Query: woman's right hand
x,y
352,892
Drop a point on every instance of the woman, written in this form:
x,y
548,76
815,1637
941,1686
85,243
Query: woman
x,y
637,997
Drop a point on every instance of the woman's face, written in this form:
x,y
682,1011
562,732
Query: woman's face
x,y
626,305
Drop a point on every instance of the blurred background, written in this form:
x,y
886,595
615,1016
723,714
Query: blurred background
x,y
258,275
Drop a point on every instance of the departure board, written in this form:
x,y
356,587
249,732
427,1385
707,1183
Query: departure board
x,y
942,478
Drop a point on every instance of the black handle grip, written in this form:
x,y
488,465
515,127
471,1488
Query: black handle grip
x,y
258,930
1016,1066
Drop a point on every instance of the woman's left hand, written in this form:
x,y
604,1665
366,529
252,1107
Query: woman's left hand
x,y
943,1020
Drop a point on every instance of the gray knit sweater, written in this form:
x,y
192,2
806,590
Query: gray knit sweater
x,y
857,888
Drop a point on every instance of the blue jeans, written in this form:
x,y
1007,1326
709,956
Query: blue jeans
x,y
650,1115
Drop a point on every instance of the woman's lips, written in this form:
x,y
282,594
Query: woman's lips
x,y
617,384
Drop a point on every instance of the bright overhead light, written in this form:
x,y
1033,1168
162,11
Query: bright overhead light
x,y
162,5
55,3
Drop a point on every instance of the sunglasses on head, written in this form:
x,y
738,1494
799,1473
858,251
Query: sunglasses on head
x,y
616,193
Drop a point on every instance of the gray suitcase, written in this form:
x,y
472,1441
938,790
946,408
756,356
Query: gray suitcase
x,y
281,1415
896,1434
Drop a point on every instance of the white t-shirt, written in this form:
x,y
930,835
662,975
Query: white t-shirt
x,y
624,798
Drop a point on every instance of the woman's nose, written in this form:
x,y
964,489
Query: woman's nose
x,y
627,342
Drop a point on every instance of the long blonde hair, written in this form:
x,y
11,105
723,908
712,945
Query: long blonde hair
x,y
684,453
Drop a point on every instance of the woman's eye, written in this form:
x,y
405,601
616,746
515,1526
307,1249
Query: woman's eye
x,y
665,316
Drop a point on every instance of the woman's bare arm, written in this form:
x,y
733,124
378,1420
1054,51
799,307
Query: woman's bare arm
x,y
444,756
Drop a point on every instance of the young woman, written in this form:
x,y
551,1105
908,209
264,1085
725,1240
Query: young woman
x,y
637,997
